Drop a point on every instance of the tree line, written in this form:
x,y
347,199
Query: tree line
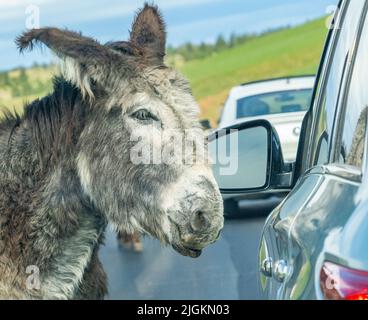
x,y
20,85
190,51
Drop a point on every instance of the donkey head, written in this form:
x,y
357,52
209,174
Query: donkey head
x,y
134,158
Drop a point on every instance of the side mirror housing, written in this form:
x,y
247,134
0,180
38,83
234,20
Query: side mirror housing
x,y
247,158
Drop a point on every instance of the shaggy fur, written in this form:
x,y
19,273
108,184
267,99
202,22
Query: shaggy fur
x,y
66,169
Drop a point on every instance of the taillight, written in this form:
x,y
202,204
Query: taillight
x,y
341,283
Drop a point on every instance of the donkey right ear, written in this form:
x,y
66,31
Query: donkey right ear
x,y
87,59
148,33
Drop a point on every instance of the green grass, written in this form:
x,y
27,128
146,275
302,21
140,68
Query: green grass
x,y
288,52
38,84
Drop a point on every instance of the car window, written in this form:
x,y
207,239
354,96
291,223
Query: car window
x,y
274,103
356,107
331,90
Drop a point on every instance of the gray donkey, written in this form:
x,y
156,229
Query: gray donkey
x,y
66,166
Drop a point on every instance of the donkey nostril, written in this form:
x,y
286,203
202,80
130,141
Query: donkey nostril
x,y
199,221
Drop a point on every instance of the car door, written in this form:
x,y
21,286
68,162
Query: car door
x,y
319,232
323,197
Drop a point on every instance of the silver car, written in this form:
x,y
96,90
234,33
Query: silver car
x,y
315,243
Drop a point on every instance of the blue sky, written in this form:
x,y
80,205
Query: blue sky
x,y
187,20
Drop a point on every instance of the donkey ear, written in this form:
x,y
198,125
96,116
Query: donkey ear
x,y
85,58
65,44
148,33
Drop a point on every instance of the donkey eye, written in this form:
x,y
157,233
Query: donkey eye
x,y
144,115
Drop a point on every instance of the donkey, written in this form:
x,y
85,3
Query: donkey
x,y
66,167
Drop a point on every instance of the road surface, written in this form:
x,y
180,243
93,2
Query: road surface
x,y
225,270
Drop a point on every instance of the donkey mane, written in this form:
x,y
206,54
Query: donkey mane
x,y
9,121
54,122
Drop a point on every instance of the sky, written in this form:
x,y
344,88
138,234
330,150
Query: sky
x,y
187,20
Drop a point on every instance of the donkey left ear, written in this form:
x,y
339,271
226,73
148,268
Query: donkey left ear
x,y
85,58
148,34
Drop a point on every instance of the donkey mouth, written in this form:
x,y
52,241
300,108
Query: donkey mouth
x,y
189,252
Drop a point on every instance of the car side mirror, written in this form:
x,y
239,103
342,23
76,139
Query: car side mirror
x,y
247,158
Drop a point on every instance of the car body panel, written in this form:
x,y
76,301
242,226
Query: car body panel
x,y
316,226
324,214
275,234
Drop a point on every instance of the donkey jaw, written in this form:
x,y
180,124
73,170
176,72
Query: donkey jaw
x,y
188,252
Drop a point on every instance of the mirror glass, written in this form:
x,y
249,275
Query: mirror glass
x,y
240,158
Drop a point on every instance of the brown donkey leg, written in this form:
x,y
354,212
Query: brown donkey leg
x,y
130,241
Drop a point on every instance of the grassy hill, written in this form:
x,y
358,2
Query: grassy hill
x,y
287,52
24,85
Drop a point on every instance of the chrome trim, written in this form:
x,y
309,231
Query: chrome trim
x,y
321,84
348,263
266,267
281,271
344,90
339,170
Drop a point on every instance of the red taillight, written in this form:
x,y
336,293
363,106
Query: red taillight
x,y
358,297
341,283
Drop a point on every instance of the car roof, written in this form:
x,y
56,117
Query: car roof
x,y
290,78
272,85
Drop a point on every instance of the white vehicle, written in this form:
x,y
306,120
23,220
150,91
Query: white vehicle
x,y
281,101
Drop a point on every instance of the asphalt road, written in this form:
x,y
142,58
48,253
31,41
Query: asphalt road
x,y
225,270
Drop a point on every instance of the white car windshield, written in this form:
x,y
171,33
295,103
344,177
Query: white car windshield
x,y
274,103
